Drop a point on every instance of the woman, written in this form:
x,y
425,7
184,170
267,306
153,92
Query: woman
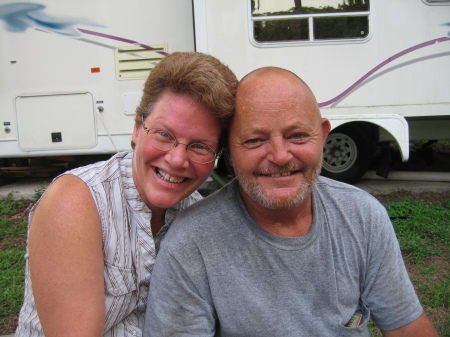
x,y
94,234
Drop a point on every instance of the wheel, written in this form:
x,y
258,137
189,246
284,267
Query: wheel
x,y
347,154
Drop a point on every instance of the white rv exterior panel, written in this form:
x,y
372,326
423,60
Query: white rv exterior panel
x,y
59,121
39,59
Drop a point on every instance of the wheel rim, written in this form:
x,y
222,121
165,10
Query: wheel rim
x,y
339,153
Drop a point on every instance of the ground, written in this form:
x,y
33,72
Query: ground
x,y
439,316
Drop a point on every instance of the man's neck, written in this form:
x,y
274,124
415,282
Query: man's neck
x,y
286,222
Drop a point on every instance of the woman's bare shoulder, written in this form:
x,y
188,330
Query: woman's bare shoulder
x,y
68,198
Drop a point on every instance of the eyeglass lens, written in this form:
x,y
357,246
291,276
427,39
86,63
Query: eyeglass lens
x,y
165,141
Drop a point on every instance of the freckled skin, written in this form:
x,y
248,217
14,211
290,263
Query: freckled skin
x,y
173,113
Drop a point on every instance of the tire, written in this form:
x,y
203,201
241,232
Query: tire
x,y
347,154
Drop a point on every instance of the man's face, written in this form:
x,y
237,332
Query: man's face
x,y
276,140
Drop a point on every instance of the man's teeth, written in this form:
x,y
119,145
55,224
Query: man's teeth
x,y
280,174
168,177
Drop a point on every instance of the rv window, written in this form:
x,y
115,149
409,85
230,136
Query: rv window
x,y
437,2
309,20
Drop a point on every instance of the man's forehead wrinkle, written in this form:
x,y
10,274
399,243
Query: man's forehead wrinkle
x,y
272,100
278,90
264,101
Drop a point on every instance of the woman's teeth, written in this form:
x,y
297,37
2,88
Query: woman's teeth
x,y
168,177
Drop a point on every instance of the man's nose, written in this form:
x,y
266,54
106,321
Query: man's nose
x,y
279,152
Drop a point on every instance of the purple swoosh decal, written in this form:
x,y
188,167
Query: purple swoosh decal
x,y
117,38
20,16
382,64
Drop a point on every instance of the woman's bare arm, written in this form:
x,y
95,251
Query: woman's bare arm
x,y
66,261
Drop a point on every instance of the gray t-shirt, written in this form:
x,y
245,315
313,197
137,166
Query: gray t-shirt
x,y
220,274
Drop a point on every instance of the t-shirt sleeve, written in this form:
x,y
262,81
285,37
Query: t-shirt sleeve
x,y
179,302
388,292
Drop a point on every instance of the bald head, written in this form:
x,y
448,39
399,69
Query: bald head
x,y
267,72
275,84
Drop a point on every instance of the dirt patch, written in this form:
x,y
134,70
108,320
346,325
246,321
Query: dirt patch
x,y
18,223
435,268
425,197
8,325
440,315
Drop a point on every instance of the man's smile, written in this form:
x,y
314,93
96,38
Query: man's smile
x,y
276,175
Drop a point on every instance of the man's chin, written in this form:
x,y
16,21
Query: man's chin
x,y
287,201
273,199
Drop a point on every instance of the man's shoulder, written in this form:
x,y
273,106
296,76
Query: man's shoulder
x,y
342,200
340,189
212,203
344,196
204,215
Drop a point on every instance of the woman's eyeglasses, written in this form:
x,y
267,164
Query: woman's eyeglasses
x,y
165,141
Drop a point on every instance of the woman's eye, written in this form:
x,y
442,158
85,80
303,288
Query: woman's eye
x,y
164,134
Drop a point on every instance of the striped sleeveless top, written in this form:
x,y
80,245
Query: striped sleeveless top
x,y
128,246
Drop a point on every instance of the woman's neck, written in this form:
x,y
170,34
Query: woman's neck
x,y
157,221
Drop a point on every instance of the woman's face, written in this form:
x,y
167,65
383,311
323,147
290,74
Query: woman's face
x,y
163,178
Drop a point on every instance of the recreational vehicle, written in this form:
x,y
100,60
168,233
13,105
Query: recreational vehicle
x,y
71,72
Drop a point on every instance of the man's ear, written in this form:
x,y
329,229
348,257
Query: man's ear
x,y
326,128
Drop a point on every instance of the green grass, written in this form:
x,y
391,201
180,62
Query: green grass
x,y
423,230
13,228
436,294
11,281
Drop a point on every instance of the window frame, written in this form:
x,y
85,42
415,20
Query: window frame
x,y
436,2
310,18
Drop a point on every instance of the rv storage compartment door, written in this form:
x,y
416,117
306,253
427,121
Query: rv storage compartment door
x,y
56,121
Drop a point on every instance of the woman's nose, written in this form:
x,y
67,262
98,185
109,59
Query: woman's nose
x,y
178,156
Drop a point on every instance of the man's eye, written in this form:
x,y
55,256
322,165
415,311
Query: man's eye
x,y
198,146
298,137
252,143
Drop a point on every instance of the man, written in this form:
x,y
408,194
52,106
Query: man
x,y
280,251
